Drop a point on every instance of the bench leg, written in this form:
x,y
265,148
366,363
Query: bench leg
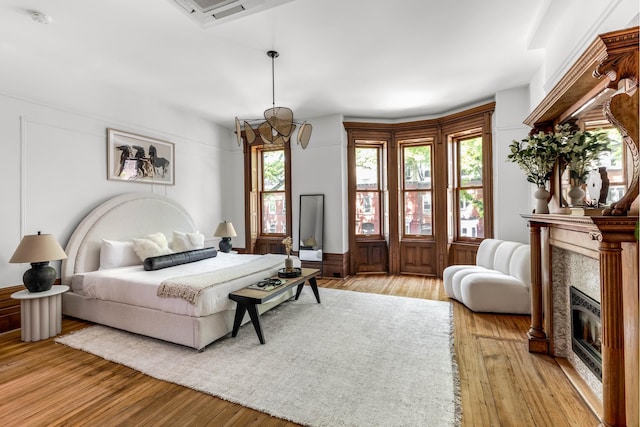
x,y
241,309
255,319
314,287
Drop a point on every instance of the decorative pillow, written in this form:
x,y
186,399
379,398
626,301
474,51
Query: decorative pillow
x,y
164,261
159,238
152,245
187,241
115,254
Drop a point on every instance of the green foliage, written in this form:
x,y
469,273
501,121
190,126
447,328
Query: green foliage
x,y
273,170
417,162
537,154
471,160
581,151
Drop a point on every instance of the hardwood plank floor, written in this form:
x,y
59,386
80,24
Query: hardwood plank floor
x,y
502,384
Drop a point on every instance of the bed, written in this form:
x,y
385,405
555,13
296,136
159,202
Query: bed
x,y
108,292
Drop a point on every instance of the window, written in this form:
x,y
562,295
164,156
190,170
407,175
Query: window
x,y
273,192
466,186
368,189
416,186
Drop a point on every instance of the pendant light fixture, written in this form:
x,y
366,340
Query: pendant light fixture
x,y
278,124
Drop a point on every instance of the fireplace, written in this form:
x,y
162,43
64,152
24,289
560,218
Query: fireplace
x,y
586,330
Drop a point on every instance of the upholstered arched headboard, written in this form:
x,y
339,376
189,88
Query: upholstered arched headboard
x,y
123,217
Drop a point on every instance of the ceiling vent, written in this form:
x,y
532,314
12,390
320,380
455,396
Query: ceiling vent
x,y
212,12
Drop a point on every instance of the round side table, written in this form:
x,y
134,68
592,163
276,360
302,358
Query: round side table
x,y
40,312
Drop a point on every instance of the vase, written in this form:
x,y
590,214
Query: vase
x,y
576,194
541,195
288,264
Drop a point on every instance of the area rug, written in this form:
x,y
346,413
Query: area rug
x,y
356,359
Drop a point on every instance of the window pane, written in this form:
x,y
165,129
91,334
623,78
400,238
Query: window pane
x,y
613,160
273,170
274,213
471,222
417,167
471,162
367,213
417,213
366,168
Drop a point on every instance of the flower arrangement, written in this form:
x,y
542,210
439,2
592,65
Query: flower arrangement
x,y
537,154
288,243
581,151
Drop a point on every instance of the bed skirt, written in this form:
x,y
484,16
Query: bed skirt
x,y
195,332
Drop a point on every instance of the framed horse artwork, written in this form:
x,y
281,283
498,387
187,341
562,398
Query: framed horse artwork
x,y
137,158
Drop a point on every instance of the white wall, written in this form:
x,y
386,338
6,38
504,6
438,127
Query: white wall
x,y
321,169
513,195
53,168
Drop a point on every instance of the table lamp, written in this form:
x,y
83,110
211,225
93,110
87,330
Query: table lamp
x,y
38,250
226,231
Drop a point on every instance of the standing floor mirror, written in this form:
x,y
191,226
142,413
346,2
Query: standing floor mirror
x,y
311,229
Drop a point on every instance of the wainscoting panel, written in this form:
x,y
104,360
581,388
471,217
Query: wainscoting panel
x,y
418,257
371,257
463,253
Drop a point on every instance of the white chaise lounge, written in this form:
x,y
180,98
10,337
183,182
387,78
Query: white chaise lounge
x,y
499,282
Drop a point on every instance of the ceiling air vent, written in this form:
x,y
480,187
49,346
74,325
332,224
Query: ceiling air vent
x,y
210,12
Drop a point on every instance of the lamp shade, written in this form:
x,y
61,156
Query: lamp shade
x,y
38,248
310,241
225,229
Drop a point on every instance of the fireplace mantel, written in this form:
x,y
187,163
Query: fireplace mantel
x,y
612,242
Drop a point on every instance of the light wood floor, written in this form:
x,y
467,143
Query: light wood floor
x,y
502,384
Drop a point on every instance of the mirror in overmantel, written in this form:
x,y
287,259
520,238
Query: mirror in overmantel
x,y
606,180
311,227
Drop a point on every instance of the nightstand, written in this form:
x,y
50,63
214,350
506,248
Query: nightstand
x,y
40,312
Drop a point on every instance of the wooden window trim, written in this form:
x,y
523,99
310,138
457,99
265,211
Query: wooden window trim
x,y
255,240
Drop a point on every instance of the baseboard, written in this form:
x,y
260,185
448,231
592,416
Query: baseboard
x,y
335,265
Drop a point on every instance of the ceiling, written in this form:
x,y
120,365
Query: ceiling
x,y
370,59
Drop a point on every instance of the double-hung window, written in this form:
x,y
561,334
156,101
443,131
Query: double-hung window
x,y
417,194
368,157
273,215
466,186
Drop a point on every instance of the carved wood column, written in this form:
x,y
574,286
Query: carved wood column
x,y
612,320
538,342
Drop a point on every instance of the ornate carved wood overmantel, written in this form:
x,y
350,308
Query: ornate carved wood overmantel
x,y
609,69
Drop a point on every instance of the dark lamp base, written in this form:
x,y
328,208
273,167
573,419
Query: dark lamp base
x,y
40,277
225,244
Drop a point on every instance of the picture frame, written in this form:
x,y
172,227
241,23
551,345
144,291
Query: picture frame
x,y
138,158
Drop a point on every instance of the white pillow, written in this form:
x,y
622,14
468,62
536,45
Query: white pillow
x,y
187,241
152,245
115,254
158,238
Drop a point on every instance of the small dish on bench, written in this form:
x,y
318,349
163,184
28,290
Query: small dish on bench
x,y
296,272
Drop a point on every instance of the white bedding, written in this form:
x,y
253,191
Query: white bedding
x,y
135,286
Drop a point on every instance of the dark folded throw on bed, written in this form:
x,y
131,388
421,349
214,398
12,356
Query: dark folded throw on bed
x,y
164,261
